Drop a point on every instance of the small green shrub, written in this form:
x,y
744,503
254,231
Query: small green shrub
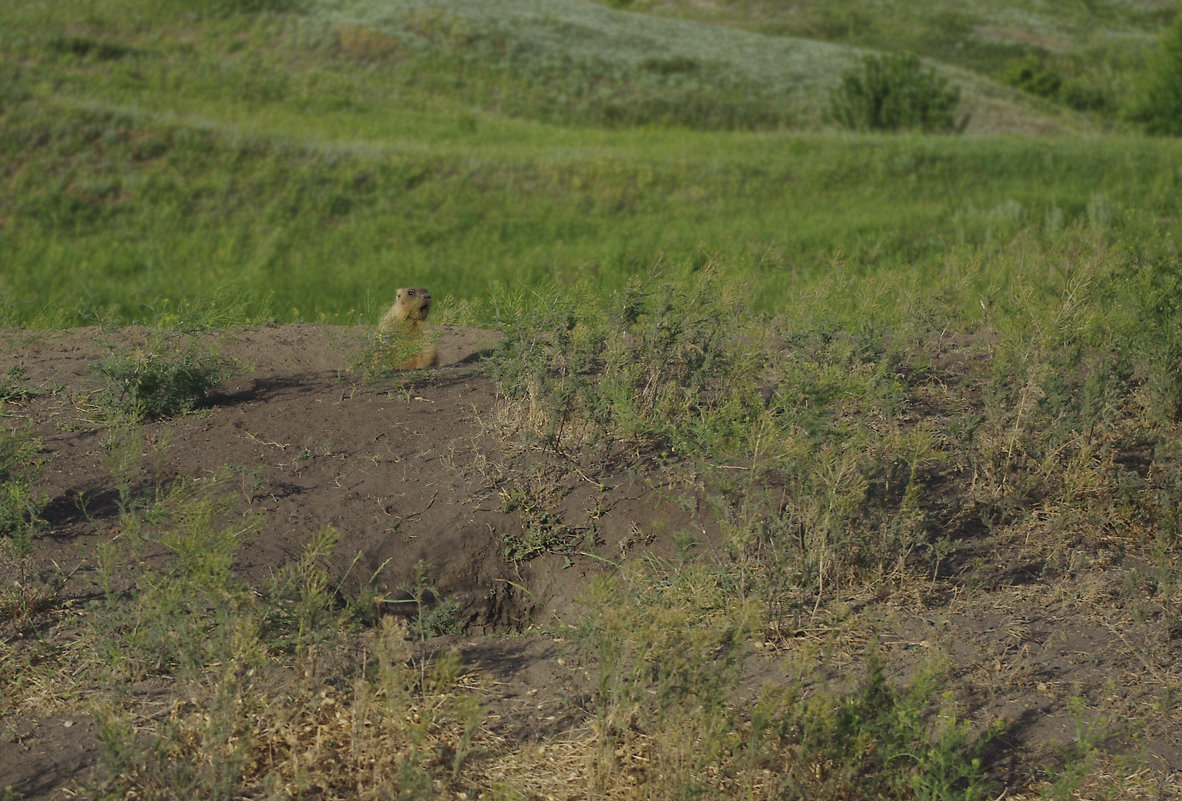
x,y
884,740
171,374
1031,74
19,505
669,648
893,93
1159,104
433,614
302,600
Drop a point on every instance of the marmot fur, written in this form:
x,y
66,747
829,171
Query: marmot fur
x,y
405,319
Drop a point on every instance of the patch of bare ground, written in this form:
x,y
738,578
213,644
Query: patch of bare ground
x,y
431,505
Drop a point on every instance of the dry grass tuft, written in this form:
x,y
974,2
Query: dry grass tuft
x,y
396,726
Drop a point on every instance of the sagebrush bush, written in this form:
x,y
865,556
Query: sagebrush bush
x,y
673,370
894,92
172,374
660,366
670,643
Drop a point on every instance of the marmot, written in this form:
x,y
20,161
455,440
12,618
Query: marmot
x,y
405,319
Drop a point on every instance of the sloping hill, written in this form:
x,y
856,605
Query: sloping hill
x,y
582,62
152,151
1089,52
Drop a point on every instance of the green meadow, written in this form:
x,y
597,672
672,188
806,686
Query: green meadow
x,y
302,163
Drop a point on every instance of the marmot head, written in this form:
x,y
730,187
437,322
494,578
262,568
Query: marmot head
x,y
414,303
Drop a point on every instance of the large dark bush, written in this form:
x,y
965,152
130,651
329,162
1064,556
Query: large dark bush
x,y
894,92
1159,102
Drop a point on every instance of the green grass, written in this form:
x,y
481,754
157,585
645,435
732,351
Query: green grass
x,y
20,465
1097,46
195,157
109,214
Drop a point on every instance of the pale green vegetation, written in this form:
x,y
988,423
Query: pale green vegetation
x,y
824,333
1092,51
186,621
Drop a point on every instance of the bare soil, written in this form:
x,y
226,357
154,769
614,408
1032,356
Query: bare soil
x,y
411,471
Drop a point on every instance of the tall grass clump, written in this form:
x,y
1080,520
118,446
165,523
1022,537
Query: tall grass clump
x,y
20,506
792,430
670,642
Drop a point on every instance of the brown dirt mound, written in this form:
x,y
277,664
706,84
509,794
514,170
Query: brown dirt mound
x,y
407,471
402,468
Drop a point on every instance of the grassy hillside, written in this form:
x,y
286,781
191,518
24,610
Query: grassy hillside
x,y
308,161
113,211
1094,49
564,62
